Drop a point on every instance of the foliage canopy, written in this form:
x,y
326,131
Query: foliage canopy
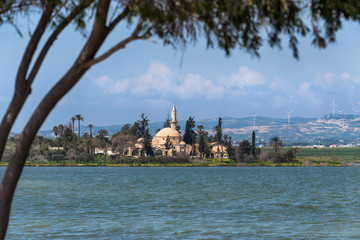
x,y
225,24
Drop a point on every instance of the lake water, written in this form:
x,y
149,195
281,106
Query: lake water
x,y
187,203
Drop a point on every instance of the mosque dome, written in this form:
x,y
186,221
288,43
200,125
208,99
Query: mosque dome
x,y
168,132
182,143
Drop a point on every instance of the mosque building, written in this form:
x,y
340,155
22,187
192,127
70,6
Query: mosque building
x,y
177,147
177,143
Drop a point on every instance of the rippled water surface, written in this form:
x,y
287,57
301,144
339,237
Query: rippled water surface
x,y
187,203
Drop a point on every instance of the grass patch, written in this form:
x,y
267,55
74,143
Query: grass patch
x,y
331,155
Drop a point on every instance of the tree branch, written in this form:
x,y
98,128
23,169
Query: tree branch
x,y
22,90
120,45
120,17
53,37
31,47
73,75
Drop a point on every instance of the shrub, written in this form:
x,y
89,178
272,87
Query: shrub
x,y
37,159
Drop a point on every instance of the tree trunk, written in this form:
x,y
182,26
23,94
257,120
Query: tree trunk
x,y
12,112
23,87
79,129
18,159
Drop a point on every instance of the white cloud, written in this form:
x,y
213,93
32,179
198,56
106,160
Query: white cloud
x,y
112,86
160,80
246,77
307,96
195,85
334,81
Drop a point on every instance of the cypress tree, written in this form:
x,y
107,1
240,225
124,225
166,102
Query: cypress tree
x,y
253,147
218,129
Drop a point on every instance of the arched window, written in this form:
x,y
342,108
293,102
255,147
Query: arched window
x,y
158,153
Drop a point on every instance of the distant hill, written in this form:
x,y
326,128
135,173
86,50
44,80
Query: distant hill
x,y
331,128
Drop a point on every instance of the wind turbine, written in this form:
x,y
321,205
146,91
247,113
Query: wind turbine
x,y
333,106
288,113
254,119
355,111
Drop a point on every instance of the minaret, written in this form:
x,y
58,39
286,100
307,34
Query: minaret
x,y
173,117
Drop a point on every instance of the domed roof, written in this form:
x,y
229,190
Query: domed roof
x,y
168,132
182,143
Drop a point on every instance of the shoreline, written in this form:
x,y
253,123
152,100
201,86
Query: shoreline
x,y
181,165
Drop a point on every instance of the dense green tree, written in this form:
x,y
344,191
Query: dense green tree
x,y
227,24
245,148
125,130
189,135
143,125
140,126
147,143
103,140
290,155
68,137
102,134
229,148
203,147
275,143
134,130
88,143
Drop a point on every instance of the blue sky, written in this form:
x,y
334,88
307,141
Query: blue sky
x,y
147,77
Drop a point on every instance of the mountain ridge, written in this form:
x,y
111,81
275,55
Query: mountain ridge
x,y
338,127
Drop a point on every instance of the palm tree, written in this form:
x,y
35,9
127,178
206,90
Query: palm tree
x,y
79,118
90,127
61,129
275,143
73,125
56,131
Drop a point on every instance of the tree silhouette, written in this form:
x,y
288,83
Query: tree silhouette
x,y
275,143
90,128
73,119
227,25
79,118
